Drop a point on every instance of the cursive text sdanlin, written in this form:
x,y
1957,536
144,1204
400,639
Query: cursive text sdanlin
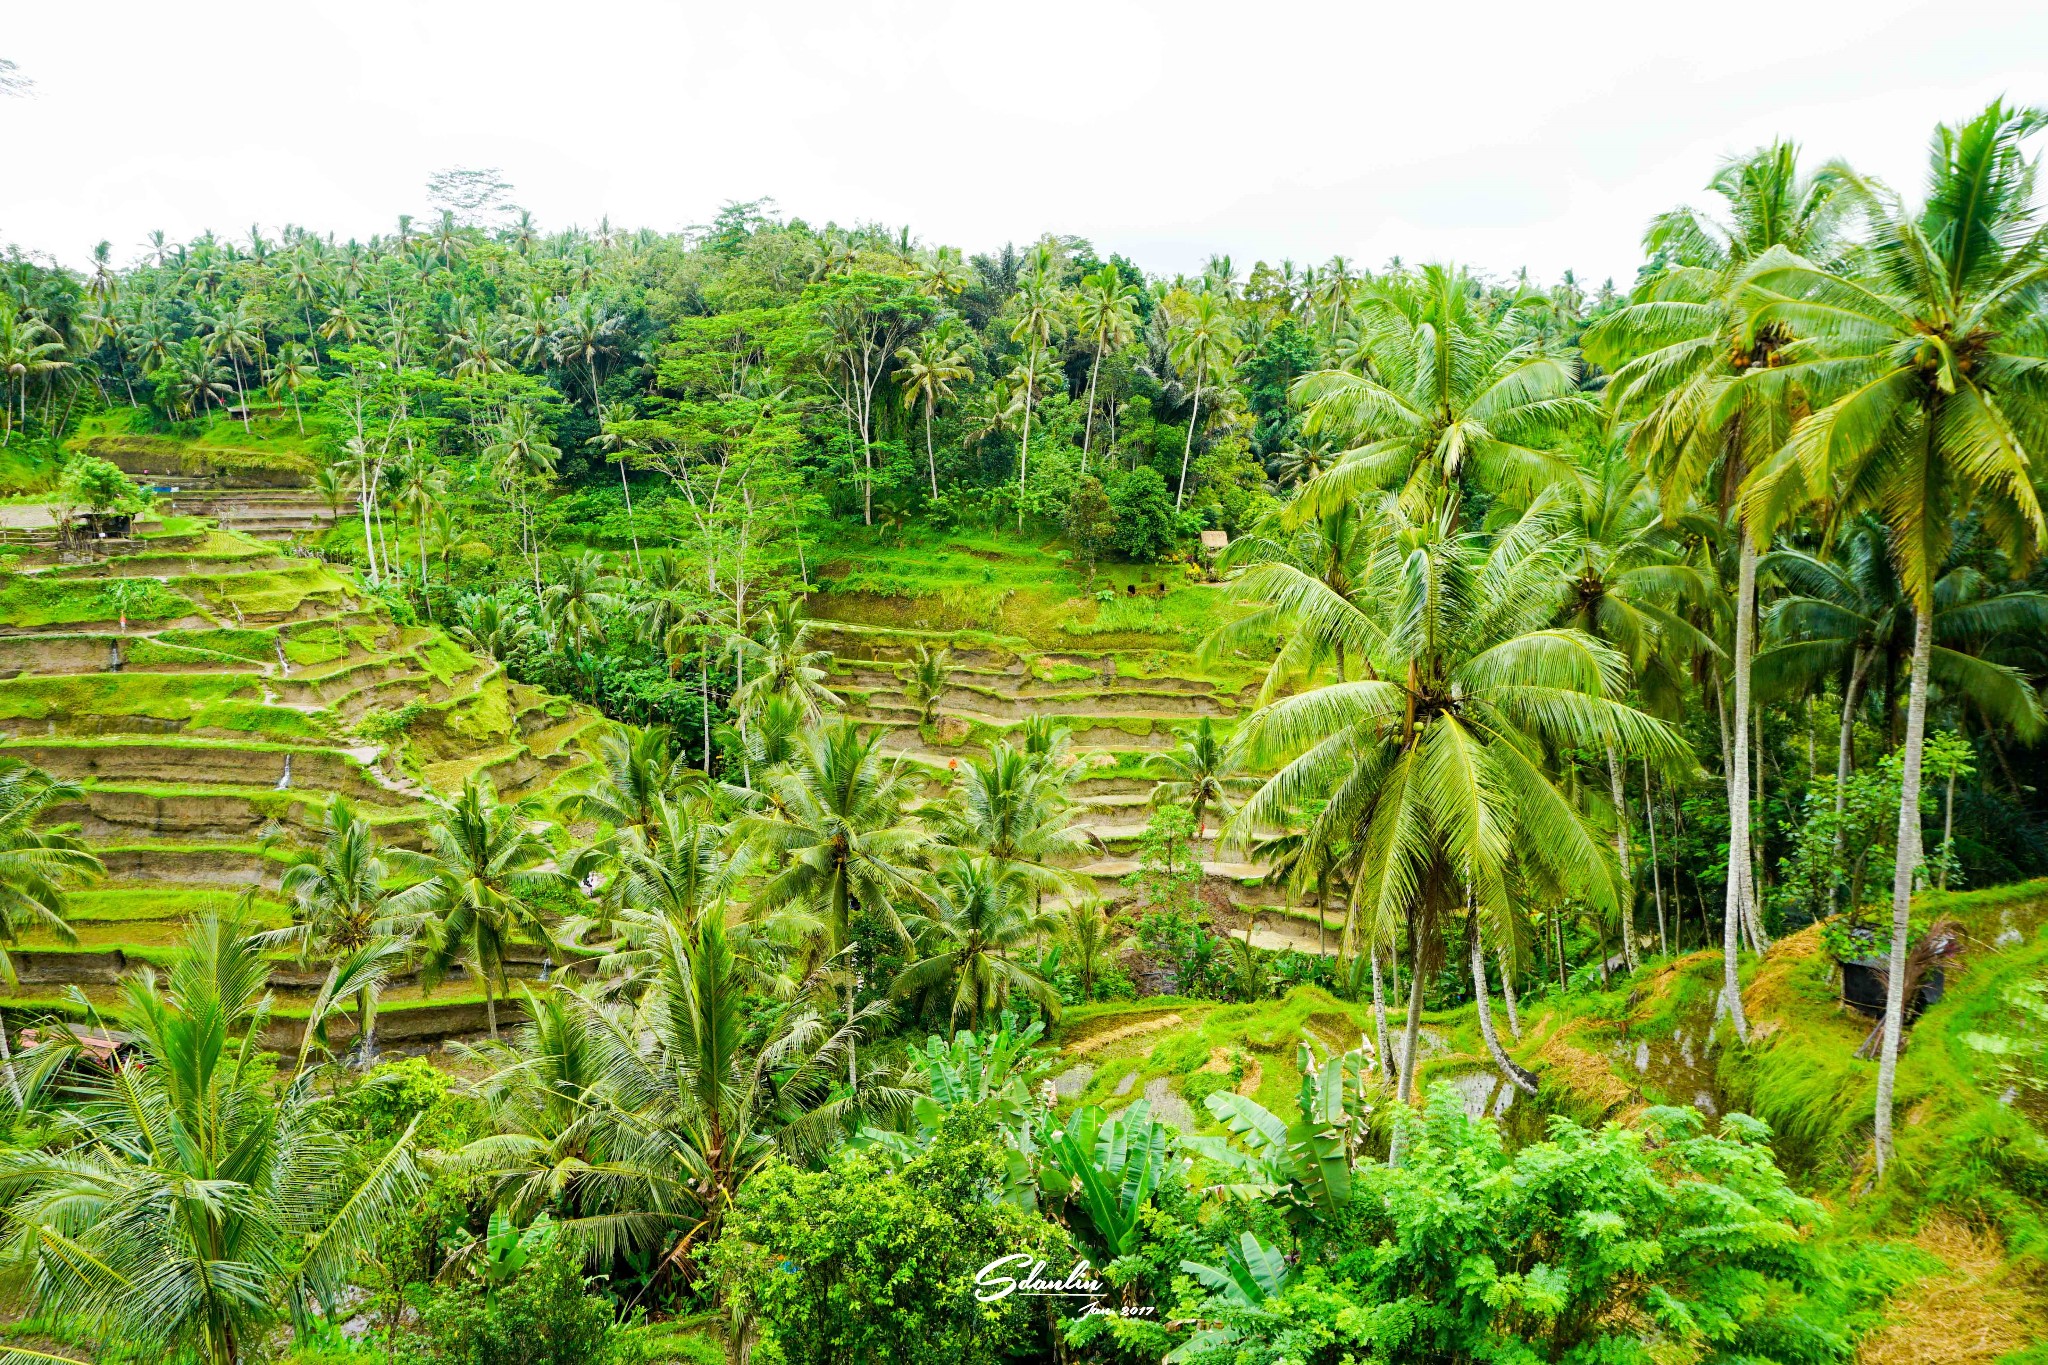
x,y
992,1285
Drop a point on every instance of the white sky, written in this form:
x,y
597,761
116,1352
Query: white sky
x,y
1493,134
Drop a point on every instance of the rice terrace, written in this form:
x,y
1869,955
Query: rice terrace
x,y
784,792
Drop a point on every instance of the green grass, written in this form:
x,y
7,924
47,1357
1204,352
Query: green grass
x,y
277,723
255,646
30,602
122,904
159,696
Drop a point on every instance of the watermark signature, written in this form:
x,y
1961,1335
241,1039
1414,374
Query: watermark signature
x,y
1026,1276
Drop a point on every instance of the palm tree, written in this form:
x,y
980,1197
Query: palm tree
x,y
1846,618
1203,340
522,455
610,438
968,940
1107,317
1923,357
238,334
648,1121
35,865
1446,394
294,366
1041,316
1679,352
835,836
1627,577
573,603
1201,771
478,882
491,626
197,1202
1012,808
1435,767
1084,926
927,373
635,771
931,672
783,664
338,902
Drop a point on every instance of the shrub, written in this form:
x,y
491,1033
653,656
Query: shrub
x,y
1145,522
859,1263
545,1316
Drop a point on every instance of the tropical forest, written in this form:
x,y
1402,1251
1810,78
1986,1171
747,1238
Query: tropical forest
x,y
787,792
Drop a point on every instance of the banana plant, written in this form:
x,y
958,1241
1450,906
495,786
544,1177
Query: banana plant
x,y
1307,1163
1252,1274
1112,1167
1000,1069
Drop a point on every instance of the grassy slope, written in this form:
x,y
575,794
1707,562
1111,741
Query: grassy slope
x,y
1967,1200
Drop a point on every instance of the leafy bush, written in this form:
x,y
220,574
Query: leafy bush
x,y
100,485
543,1316
859,1263
1145,523
1616,1245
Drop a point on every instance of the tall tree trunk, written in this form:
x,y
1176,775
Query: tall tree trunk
x,y
1738,797
1510,1071
1024,452
1758,867
1187,449
1088,427
490,1004
1379,1015
1948,828
7,1060
1507,991
1404,1089
931,458
1902,878
1656,871
1621,850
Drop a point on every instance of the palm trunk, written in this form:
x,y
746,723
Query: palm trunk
x,y
1188,447
1845,754
1948,829
1509,1070
1621,850
1379,1013
1404,1088
1738,797
1024,453
1507,992
1656,871
931,458
1088,427
490,1005
7,1059
1902,878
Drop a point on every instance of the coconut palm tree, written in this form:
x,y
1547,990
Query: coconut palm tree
x,y
491,626
1106,316
1012,807
237,333
835,838
1846,618
293,367
778,661
477,886
1201,771
1628,576
635,772
1203,340
1041,317
1923,357
643,1123
1331,547
198,1200
927,373
522,456
931,672
1679,353
1441,766
338,900
35,867
1446,394
575,600
1084,926
969,941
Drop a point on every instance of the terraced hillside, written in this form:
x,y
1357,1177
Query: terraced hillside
x,y
1124,708
246,689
